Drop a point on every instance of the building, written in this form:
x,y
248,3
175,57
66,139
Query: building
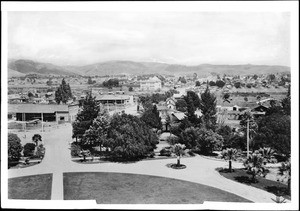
x,y
43,112
153,83
114,99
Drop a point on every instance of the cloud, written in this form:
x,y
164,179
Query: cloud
x,y
179,37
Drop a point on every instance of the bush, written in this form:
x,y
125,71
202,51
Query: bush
x,y
165,152
14,147
28,150
75,150
40,151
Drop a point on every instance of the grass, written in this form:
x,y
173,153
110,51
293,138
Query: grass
x,y
118,188
30,187
240,175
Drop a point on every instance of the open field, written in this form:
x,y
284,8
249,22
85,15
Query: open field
x,y
30,187
117,188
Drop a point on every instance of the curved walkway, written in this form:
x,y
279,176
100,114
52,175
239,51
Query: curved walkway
x,y
199,170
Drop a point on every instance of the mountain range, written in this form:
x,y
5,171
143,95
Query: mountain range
x,y
22,67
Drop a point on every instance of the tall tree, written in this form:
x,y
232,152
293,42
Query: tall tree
x,y
96,135
192,97
286,102
208,106
151,118
89,111
63,92
130,138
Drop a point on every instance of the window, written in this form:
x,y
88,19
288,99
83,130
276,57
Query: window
x,y
62,118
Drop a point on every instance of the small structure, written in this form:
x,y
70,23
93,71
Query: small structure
x,y
113,99
153,83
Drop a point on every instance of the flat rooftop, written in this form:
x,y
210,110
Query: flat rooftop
x,y
36,108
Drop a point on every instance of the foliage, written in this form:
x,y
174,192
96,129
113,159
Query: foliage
x,y
286,102
49,82
165,152
181,105
130,89
36,138
254,165
220,83
152,118
229,154
75,149
285,173
226,97
200,139
85,117
14,147
113,82
28,150
226,132
267,153
212,83
208,106
97,133
130,138
274,131
90,81
30,94
237,85
40,151
178,149
252,124
63,92
198,83
182,80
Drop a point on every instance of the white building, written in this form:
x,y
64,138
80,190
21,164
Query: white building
x,y
153,83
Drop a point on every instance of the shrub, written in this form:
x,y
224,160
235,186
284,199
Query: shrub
x,y
40,151
28,150
165,152
75,150
254,165
14,148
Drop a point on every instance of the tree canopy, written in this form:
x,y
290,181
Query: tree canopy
x,y
151,118
14,147
63,92
208,106
89,111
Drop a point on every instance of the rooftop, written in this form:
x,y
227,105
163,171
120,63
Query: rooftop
x,y
36,108
112,97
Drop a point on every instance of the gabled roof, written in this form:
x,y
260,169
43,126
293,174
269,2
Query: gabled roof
x,y
179,115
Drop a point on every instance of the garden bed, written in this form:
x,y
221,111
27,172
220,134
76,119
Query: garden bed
x,y
241,176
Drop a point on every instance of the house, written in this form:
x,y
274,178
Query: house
x,y
114,99
171,103
153,83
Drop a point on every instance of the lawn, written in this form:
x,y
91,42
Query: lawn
x,y
118,188
30,187
240,175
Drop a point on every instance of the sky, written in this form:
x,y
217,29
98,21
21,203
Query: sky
x,y
188,38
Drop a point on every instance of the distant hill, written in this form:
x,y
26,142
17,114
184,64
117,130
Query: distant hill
x,y
32,67
138,68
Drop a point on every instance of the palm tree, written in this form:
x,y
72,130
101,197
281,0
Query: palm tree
x,y
229,154
178,149
267,154
254,165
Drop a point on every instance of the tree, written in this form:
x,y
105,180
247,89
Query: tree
x,y
151,118
36,138
49,82
274,131
252,124
212,83
40,151
220,83
181,105
28,150
208,106
182,80
237,85
254,165
89,111
130,89
63,92
286,102
197,83
129,138
90,81
229,154
30,94
285,173
255,77
190,113
192,97
96,135
267,153
178,150
14,148
114,82
226,132
226,97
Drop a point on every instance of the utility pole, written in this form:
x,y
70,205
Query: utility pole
x,y
248,138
